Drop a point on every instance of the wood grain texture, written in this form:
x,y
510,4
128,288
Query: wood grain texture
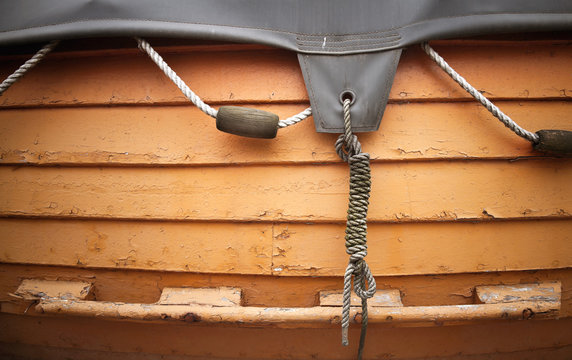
x,y
166,135
413,191
527,71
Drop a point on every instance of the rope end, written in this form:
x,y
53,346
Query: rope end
x,y
345,341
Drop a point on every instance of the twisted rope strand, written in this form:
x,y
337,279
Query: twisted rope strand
x,y
194,98
492,108
348,148
171,74
33,61
295,118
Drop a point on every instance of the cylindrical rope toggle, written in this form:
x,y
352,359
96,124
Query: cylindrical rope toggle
x,y
206,108
349,149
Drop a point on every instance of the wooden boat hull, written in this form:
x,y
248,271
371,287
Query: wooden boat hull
x,y
109,176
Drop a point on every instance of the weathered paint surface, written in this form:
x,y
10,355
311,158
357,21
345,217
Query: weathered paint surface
x,y
550,291
521,71
182,135
33,289
282,249
134,178
383,298
221,296
412,191
199,247
294,317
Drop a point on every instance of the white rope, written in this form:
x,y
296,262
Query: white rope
x,y
507,121
34,60
157,59
295,119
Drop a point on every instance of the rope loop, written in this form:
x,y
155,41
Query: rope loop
x,y
347,144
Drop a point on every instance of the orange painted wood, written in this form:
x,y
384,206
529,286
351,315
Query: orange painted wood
x,y
281,204
198,247
433,248
524,71
504,340
151,136
295,250
260,75
414,191
498,71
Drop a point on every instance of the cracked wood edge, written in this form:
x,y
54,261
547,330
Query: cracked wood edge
x,y
319,314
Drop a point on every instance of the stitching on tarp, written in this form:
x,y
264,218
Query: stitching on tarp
x,y
284,31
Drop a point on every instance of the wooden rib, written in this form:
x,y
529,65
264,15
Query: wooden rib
x,y
184,136
266,76
418,191
297,249
135,286
212,248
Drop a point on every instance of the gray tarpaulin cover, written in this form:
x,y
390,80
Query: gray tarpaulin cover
x,y
341,45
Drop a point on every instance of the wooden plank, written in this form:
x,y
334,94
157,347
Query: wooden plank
x,y
34,289
200,247
524,72
432,248
481,339
416,191
185,136
137,286
498,71
220,296
219,77
296,250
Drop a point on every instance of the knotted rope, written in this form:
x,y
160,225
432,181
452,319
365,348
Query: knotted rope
x,y
349,149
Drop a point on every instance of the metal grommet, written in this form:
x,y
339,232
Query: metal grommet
x,y
348,94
